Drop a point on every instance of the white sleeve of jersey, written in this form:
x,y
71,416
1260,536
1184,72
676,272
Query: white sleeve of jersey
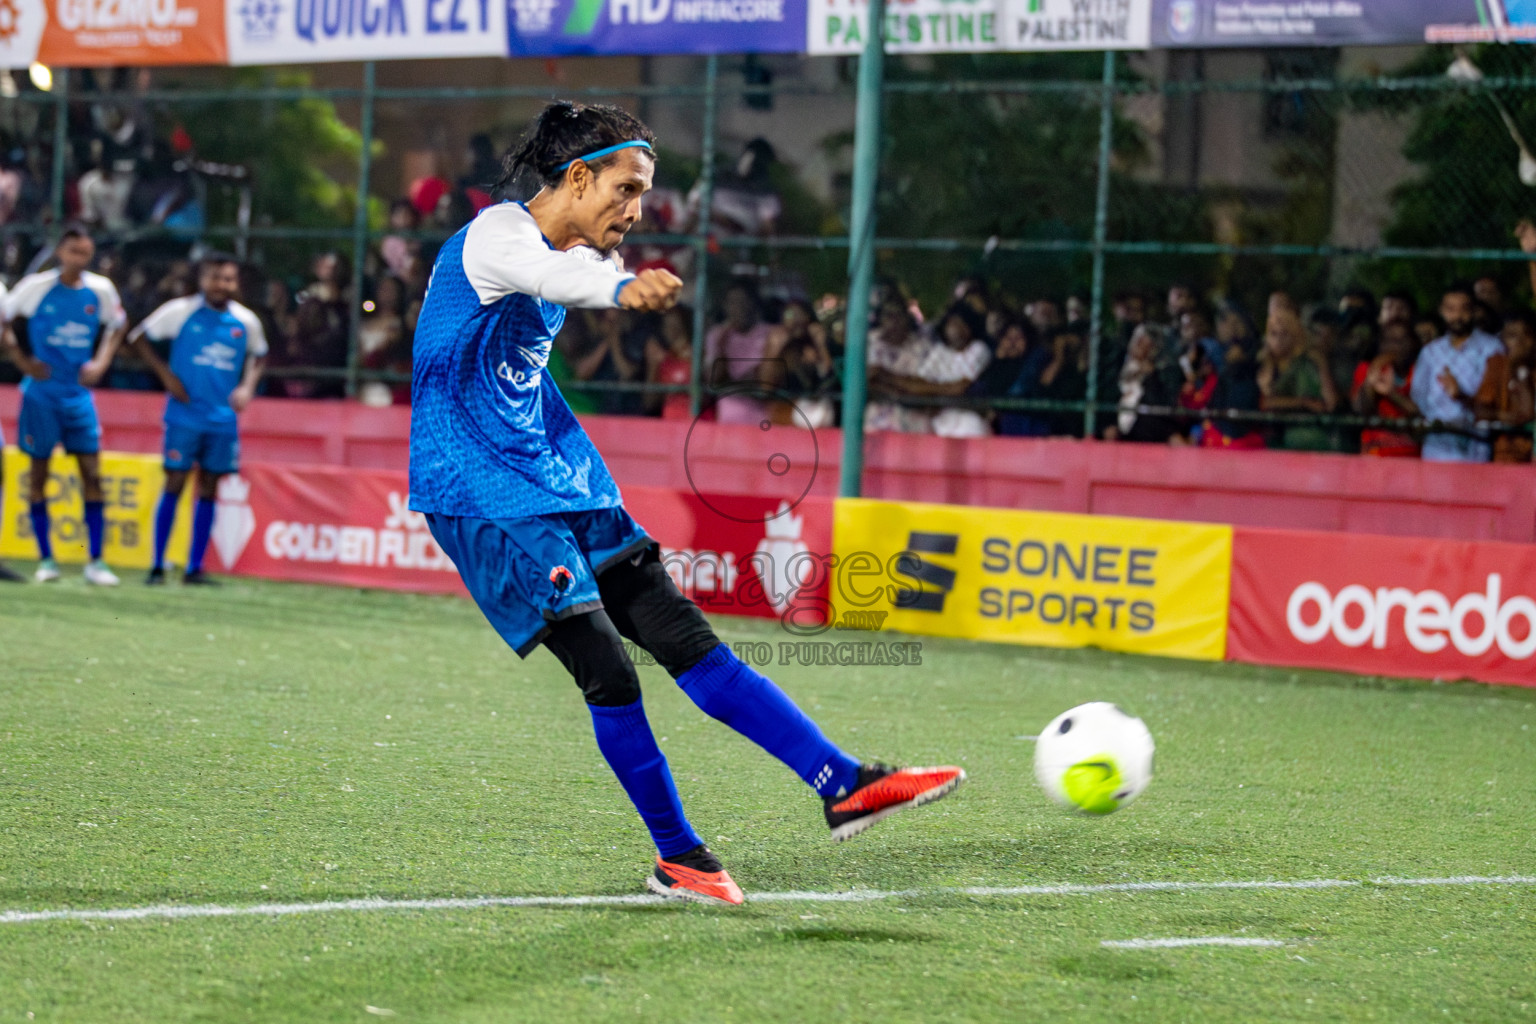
x,y
166,322
109,304
504,252
256,335
24,299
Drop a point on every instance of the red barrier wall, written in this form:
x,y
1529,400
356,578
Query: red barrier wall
x,y
1384,605
1264,489
740,555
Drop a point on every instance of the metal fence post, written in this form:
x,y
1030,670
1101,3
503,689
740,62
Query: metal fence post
x,y
1100,231
360,229
60,146
701,237
861,247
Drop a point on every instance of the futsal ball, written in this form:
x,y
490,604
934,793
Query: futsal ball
x,y
1094,758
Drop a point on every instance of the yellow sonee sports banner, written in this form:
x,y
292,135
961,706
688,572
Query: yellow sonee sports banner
x,y
1043,578
130,487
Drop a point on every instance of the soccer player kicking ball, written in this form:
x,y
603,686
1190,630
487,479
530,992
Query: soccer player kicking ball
x,y
63,327
517,496
218,349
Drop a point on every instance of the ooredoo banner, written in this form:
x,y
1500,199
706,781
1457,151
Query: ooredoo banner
x,y
1050,579
1398,606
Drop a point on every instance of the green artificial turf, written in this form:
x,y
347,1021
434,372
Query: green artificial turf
x,y
279,743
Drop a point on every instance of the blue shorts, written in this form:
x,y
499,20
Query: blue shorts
x,y
513,567
45,421
214,451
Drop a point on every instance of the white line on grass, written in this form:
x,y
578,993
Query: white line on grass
x,y
1209,940
854,896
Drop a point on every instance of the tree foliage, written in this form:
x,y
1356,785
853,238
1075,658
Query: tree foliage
x,y
1014,165
1467,193
302,156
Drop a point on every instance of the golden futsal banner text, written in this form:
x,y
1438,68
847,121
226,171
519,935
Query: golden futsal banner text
x,y
1045,578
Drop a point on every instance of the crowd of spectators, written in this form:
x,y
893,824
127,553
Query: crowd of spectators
x,y
1380,378
1454,382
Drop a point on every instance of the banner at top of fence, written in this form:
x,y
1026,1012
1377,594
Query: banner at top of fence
x,y
109,33
310,31
1215,23
982,26
546,28
105,33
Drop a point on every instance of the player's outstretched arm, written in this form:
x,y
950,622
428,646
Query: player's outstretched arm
x,y
504,252
652,291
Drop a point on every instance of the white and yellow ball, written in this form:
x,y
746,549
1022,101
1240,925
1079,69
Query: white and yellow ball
x,y
1094,758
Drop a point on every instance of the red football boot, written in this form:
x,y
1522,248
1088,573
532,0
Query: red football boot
x,y
883,790
696,875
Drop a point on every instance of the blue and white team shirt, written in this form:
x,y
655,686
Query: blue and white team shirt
x,y
491,436
209,348
64,325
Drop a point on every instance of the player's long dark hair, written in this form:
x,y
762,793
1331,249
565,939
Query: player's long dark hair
x,y
561,133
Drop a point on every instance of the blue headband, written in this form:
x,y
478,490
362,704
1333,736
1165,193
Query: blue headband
x,y
633,144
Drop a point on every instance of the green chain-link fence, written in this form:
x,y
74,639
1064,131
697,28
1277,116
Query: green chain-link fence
x,y
1041,176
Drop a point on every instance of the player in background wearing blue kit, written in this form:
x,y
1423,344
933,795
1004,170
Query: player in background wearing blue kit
x,y
517,496
7,574
218,349
63,327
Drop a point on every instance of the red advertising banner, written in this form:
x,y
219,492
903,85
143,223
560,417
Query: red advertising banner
x,y
1393,606
319,524
352,527
742,555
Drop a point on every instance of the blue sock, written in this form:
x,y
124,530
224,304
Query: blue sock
x,y
40,529
165,518
624,737
96,526
726,688
202,529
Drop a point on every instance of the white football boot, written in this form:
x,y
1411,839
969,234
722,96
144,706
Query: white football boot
x,y
98,574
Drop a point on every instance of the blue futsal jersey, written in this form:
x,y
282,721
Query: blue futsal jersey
x,y
491,436
63,326
209,348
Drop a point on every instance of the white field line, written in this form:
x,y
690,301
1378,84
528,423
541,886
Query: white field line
x,y
171,910
1209,940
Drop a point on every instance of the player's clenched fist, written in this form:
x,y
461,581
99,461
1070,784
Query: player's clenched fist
x,y
652,291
